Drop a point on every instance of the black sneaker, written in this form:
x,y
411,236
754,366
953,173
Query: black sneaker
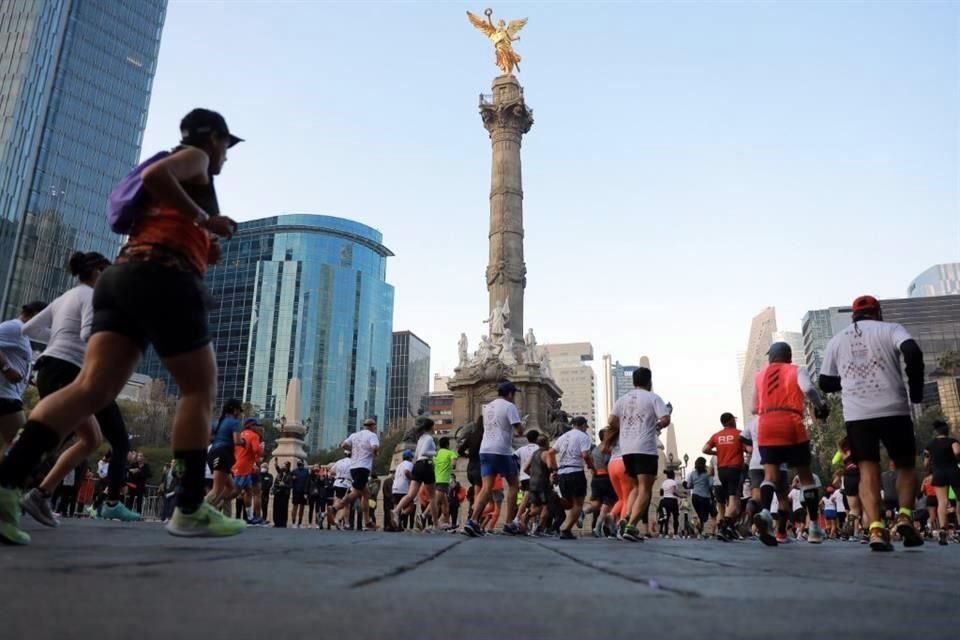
x,y
472,529
907,533
567,535
943,538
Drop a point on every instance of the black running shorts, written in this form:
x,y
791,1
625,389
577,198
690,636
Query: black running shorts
x,y
851,484
573,485
792,455
946,478
601,490
221,458
894,432
640,464
731,481
360,478
299,498
8,406
423,472
153,304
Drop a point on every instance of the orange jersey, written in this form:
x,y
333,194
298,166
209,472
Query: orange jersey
x,y
729,447
246,456
780,404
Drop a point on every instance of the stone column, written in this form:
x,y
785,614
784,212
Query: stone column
x,y
506,116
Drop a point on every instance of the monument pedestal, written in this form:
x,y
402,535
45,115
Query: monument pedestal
x,y
290,446
472,388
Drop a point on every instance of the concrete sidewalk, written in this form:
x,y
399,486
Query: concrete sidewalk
x,y
104,580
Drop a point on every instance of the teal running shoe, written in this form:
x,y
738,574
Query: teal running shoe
x,y
119,511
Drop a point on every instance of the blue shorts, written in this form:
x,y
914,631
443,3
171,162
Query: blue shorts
x,y
245,482
830,514
492,464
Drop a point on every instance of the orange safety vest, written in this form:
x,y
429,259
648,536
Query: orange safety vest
x,y
780,403
778,390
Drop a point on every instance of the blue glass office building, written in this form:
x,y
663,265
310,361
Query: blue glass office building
x,y
75,81
303,296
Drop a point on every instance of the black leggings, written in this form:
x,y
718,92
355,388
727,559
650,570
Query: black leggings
x,y
314,504
672,507
54,374
703,507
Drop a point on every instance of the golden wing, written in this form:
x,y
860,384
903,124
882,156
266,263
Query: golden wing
x,y
481,24
515,25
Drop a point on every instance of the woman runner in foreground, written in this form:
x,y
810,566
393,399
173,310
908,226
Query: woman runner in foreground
x,y
154,294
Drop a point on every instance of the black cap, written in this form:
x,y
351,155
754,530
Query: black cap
x,y
33,308
780,352
200,123
726,418
506,387
579,421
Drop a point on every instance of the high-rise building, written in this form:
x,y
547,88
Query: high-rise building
x,y
617,381
938,280
409,380
795,340
762,328
568,362
817,327
75,82
303,296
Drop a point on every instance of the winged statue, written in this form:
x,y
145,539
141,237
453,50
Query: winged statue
x,y
502,35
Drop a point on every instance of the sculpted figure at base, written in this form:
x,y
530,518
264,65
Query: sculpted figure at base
x,y
507,344
530,351
462,347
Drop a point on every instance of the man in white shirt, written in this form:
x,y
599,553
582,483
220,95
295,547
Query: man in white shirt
x,y
15,358
524,454
364,445
401,484
501,421
638,417
863,363
573,453
341,486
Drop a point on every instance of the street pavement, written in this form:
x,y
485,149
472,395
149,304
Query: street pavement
x,y
104,580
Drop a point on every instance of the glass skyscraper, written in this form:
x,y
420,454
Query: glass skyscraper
x,y
938,280
303,296
409,379
75,82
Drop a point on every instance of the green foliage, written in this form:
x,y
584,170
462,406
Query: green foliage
x,y
825,438
156,456
388,444
326,456
950,362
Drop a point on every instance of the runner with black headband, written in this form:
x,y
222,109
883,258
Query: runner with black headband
x,y
153,295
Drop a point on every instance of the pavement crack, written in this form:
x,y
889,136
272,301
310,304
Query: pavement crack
x,y
404,568
647,582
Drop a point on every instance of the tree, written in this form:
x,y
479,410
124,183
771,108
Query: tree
x,y
825,437
388,444
949,361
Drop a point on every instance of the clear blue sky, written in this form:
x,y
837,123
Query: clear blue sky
x,y
690,164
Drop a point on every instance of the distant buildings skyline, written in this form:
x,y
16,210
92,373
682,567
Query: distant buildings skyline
x,y
569,362
75,85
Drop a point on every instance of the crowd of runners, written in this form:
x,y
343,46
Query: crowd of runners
x,y
153,294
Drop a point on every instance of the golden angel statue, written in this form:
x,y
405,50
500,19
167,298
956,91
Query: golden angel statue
x,y
503,36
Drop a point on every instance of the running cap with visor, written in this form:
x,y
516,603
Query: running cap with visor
x,y
865,303
506,388
200,123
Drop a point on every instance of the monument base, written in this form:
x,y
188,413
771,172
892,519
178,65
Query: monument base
x,y
474,388
289,450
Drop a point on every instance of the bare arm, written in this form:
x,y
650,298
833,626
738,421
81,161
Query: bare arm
x,y
163,179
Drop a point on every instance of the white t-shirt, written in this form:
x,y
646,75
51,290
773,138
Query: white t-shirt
x,y
638,412
341,473
499,417
716,471
401,483
525,453
866,356
669,488
363,445
796,498
17,353
750,433
65,325
827,503
426,447
837,498
570,448
775,505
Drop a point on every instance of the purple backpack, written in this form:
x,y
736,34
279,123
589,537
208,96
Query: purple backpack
x,y
127,202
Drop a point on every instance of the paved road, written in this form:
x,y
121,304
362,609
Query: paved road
x,y
92,579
